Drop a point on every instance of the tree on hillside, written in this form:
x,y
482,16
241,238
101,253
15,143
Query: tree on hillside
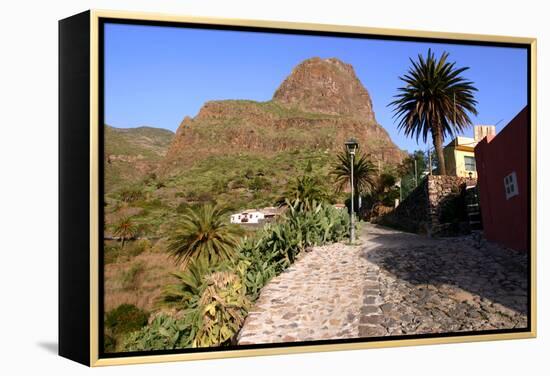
x,y
364,173
204,233
304,188
435,100
125,229
409,178
383,193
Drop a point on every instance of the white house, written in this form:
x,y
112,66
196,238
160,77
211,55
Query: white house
x,y
248,216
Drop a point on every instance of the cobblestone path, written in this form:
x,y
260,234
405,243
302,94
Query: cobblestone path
x,y
419,285
319,297
393,284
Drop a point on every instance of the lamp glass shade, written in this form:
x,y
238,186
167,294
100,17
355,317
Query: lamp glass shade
x,y
351,145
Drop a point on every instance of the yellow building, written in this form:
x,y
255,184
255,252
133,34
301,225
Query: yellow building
x,y
459,153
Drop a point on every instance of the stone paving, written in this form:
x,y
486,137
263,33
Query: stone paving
x,y
419,285
319,297
393,284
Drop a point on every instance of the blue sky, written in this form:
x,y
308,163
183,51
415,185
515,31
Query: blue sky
x,y
156,76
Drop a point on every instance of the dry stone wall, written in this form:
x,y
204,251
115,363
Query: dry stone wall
x,y
421,211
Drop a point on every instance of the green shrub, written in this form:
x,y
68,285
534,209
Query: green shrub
x,y
260,265
189,284
259,183
129,277
182,207
111,253
205,197
124,319
237,182
249,174
153,204
185,206
276,246
131,194
138,247
109,343
150,178
219,186
164,333
214,302
220,311
215,296
191,195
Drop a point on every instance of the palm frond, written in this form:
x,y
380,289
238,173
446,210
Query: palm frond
x,y
435,99
204,233
364,172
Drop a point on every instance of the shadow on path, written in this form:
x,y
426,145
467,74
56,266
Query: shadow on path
x,y
490,272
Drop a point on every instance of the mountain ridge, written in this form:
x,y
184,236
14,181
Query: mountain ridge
x,y
320,105
131,153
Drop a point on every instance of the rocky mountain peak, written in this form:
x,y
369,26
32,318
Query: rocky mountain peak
x,y
319,106
326,86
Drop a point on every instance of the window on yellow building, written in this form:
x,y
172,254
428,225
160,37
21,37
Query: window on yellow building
x,y
469,163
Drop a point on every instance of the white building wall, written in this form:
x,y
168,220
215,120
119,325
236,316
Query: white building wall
x,y
253,217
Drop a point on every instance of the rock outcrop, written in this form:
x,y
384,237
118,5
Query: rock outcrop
x,y
326,86
318,106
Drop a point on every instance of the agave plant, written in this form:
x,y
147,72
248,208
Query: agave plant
x,y
436,100
215,298
258,264
221,310
204,233
164,333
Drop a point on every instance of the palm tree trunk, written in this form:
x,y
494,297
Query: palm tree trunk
x,y
438,144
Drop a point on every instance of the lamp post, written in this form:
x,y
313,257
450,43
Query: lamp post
x,y
351,146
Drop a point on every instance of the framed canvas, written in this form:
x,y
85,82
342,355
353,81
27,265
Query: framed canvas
x,y
234,188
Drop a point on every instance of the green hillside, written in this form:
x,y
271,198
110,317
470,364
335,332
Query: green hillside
x,y
132,153
147,141
248,180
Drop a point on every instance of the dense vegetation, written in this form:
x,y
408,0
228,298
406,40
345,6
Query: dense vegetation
x,y
143,146
214,295
219,269
122,320
232,182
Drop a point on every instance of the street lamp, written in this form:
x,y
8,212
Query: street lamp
x,y
351,146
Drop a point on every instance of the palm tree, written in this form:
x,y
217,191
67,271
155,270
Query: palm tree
x,y
436,99
381,193
364,172
204,233
190,283
304,188
125,229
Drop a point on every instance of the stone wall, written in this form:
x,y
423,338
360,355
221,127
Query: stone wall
x,y
422,210
440,189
